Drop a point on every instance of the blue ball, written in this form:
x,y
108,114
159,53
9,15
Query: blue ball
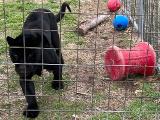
x,y
120,22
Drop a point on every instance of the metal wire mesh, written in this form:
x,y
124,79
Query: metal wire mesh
x,y
89,93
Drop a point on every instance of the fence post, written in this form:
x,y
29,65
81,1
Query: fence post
x,y
140,20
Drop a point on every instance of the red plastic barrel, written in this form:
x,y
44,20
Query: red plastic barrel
x,y
141,59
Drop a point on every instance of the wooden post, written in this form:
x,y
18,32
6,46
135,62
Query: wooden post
x,y
89,24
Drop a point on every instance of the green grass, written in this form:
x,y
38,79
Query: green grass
x,y
54,103
149,91
71,37
107,116
145,108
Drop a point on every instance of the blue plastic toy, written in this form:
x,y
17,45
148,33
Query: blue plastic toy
x,y
120,22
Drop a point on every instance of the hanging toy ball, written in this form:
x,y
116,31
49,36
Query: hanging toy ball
x,y
120,22
114,5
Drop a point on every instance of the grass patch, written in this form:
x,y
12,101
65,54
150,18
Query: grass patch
x,y
107,116
149,91
63,109
99,97
71,37
145,108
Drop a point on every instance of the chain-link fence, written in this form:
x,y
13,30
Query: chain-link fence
x,y
85,91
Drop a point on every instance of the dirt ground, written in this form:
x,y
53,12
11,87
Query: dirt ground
x,y
93,78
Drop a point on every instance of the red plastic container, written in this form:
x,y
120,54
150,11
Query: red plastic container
x,y
141,59
114,5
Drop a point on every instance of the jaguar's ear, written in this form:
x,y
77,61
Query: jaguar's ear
x,y
10,41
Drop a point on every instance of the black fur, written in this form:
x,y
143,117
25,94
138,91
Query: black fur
x,y
39,31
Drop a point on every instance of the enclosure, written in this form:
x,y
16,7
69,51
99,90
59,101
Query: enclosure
x,y
89,93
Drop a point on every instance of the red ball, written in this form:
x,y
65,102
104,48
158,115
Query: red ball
x,y
114,5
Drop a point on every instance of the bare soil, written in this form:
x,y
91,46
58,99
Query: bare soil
x,y
92,79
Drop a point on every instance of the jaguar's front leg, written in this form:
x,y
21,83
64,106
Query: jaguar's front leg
x,y
28,88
